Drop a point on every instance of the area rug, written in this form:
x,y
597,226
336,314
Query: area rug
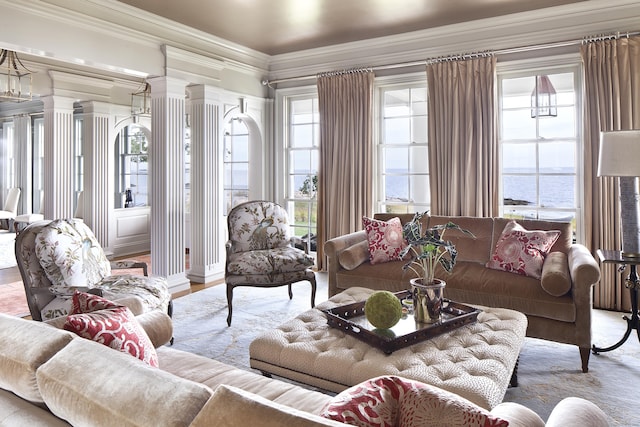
x,y
548,372
7,249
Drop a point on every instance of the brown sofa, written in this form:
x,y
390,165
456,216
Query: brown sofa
x,y
51,377
564,318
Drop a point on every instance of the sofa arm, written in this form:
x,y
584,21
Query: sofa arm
x,y
577,412
332,249
583,267
158,326
517,415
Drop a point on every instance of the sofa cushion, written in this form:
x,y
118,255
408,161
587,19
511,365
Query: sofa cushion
x,y
476,248
115,327
231,406
90,384
556,279
389,401
354,255
269,261
385,239
70,255
20,357
522,251
17,412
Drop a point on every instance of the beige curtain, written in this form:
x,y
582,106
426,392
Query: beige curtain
x,y
463,146
612,102
345,191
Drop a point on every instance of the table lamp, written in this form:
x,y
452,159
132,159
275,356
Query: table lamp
x,y
620,156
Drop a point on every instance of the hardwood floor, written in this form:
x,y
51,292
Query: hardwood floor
x,y
13,300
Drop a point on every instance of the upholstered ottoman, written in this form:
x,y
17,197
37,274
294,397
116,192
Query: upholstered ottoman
x,y
475,361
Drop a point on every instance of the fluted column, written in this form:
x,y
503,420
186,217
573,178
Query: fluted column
x,y
166,153
98,169
206,114
58,157
23,155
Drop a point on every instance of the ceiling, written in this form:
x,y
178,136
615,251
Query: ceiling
x,y
283,26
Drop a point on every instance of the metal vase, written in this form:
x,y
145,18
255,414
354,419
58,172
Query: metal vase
x,y
427,300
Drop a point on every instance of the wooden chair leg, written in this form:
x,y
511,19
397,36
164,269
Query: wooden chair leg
x,y
313,292
290,292
229,307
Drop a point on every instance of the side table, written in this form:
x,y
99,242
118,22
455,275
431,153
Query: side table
x,y
633,284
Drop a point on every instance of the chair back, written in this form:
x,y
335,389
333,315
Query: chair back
x,y
55,256
13,197
257,225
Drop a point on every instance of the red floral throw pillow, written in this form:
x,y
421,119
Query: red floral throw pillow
x,y
107,323
390,401
385,239
83,302
522,251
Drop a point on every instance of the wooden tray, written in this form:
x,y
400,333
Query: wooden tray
x,y
351,319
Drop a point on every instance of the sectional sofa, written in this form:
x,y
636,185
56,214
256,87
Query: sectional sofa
x,y
557,305
52,377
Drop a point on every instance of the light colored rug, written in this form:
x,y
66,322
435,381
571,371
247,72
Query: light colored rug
x,y
7,249
548,371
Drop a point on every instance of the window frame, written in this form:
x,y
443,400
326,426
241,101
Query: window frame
x,y
529,68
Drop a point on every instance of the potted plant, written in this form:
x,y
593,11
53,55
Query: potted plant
x,y
428,249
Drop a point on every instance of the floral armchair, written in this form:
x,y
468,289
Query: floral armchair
x,y
57,257
260,251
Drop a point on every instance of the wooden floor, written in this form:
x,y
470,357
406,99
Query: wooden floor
x,y
13,300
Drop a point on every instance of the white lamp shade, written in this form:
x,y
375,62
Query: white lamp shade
x,y
619,153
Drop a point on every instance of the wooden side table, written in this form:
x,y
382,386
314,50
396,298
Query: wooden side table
x,y
633,284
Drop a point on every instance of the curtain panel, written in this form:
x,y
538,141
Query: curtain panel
x,y
612,102
345,174
463,146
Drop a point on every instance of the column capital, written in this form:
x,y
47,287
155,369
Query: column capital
x,y
95,107
167,85
204,93
57,102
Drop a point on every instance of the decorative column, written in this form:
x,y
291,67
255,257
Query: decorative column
x,y
58,157
98,184
204,254
23,156
166,153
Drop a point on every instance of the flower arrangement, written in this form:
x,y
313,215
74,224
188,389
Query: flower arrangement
x,y
428,248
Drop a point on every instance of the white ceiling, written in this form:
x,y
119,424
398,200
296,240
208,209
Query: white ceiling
x,y
283,26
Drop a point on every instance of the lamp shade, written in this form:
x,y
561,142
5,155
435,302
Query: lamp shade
x,y
619,153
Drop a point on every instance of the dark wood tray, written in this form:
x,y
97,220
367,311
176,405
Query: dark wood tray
x,y
350,318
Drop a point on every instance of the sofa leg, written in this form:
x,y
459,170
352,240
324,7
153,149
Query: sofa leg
x,y
514,374
584,355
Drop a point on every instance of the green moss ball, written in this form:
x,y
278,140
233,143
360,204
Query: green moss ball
x,y
383,309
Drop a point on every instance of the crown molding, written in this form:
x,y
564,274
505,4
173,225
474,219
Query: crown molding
x,y
554,24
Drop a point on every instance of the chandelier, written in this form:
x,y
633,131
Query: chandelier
x,y
141,101
15,78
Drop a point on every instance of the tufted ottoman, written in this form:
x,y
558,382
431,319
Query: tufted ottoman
x,y
475,361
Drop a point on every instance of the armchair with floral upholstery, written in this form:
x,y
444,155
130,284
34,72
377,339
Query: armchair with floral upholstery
x,y
55,258
260,252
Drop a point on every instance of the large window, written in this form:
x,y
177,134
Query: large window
x,y
132,167
236,163
539,146
303,157
78,158
402,149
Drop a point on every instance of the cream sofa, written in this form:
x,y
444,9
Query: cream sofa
x,y
563,317
50,377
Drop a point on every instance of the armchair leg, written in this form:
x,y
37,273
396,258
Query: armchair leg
x,y
229,307
290,292
313,291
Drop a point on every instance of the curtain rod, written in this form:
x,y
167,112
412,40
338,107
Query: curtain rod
x,y
588,39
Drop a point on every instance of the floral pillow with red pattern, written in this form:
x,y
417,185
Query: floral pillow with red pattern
x,y
385,239
391,401
107,323
521,251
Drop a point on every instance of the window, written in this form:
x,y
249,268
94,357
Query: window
x,y
403,159
10,168
38,163
303,160
132,170
539,154
236,163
